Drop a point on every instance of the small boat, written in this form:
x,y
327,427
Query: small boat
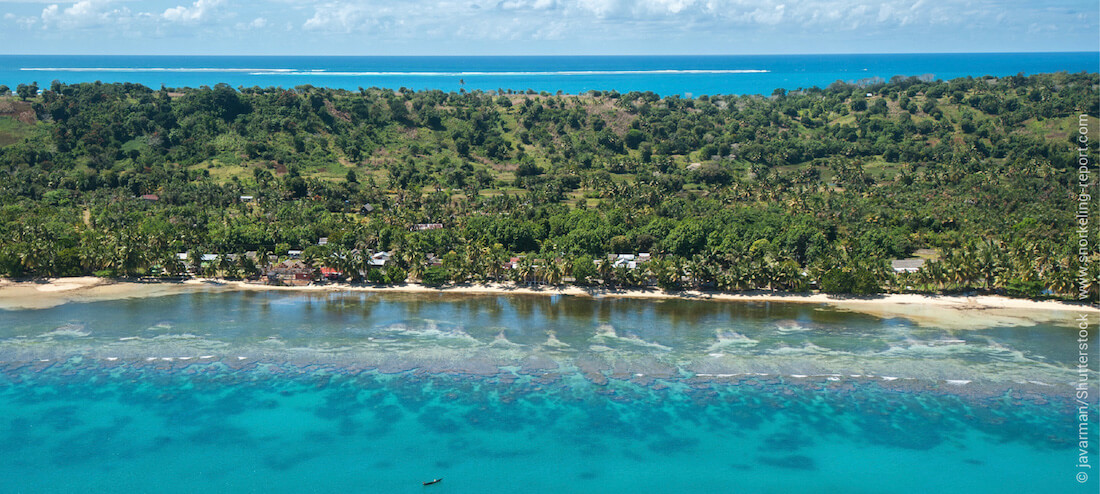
x,y
436,481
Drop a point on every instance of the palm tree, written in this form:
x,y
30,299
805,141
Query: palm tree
x,y
194,257
171,265
788,275
226,265
623,276
416,267
1061,282
987,262
605,271
247,266
93,255
555,271
676,272
526,270
494,263
358,262
564,267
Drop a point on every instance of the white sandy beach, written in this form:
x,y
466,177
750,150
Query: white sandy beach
x,y
948,312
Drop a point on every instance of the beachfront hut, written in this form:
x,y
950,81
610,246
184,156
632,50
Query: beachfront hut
x,y
378,259
907,265
291,272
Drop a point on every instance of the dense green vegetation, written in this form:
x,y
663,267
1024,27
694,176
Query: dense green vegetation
x,y
817,188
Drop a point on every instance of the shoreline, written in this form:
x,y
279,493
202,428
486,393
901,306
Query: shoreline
x,y
947,311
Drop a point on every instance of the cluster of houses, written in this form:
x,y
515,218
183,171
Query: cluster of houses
x,y
628,261
292,271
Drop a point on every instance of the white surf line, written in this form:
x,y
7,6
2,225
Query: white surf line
x,y
958,382
383,73
153,69
512,73
166,359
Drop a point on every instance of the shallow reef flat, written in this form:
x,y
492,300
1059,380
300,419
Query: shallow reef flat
x,y
291,392
245,423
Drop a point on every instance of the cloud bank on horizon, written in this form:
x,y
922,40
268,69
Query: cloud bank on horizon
x,y
518,27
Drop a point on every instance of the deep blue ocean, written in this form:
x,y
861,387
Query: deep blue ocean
x,y
665,75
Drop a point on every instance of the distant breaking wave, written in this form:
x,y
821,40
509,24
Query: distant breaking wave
x,y
298,72
525,73
153,69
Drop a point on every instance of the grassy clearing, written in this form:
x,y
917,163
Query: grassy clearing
x,y
13,131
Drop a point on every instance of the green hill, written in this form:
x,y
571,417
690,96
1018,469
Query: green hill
x,y
732,192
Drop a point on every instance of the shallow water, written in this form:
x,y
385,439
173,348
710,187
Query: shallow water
x,y
276,392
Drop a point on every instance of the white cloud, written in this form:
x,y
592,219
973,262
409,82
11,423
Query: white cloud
x,y
527,4
576,25
84,14
198,11
770,16
348,18
257,23
618,19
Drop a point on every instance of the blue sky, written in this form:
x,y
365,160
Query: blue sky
x,y
545,27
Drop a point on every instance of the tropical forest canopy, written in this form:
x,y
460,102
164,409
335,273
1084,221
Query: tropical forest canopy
x,y
816,188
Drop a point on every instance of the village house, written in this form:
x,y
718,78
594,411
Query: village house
x,y
419,227
907,265
290,272
379,259
629,261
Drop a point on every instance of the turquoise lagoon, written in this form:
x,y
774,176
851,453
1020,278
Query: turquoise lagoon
x,y
665,75
354,392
